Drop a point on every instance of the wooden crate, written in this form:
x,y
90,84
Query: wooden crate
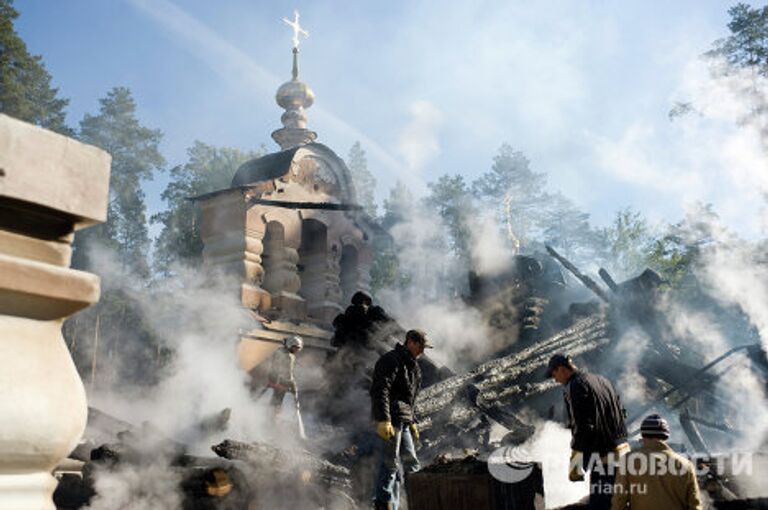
x,y
474,491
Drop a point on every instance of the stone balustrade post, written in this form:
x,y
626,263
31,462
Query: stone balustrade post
x,y
50,186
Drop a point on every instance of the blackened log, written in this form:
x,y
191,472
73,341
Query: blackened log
x,y
586,280
722,426
72,491
691,384
216,422
266,459
608,279
497,378
692,432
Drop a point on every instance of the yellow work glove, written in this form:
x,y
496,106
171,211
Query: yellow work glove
x,y
414,431
385,430
576,471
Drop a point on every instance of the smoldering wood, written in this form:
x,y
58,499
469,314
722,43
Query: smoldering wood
x,y
694,380
267,458
721,425
692,431
586,280
608,279
502,379
216,422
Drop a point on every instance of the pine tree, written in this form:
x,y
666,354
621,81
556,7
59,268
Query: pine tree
x,y
208,169
515,192
567,228
364,181
135,157
25,85
452,199
396,205
385,271
627,243
747,44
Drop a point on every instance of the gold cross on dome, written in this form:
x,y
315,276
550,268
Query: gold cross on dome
x,y
296,28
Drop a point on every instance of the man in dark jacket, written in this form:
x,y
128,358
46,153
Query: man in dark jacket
x,y
353,327
396,383
598,431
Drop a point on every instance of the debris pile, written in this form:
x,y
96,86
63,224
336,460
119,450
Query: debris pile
x,y
498,402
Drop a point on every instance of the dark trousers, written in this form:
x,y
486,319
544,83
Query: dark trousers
x,y
601,483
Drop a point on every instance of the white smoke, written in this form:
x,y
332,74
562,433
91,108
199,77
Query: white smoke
x,y
630,349
418,143
152,487
551,445
432,301
490,251
197,316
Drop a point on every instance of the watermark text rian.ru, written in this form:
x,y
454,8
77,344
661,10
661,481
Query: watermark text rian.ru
x,y
617,488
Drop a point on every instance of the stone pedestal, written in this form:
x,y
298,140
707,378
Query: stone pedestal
x,y
50,186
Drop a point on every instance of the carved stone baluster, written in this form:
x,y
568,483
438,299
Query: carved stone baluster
x,y
50,186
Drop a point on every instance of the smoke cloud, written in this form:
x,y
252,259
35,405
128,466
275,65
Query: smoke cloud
x,y
418,143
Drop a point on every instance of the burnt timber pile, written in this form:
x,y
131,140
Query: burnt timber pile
x,y
457,411
241,475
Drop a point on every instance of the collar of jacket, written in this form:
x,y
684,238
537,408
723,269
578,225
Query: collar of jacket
x,y
404,353
574,374
655,445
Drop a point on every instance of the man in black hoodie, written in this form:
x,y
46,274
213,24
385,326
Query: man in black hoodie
x,y
598,431
396,383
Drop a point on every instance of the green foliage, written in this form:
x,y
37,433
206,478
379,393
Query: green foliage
x,y
111,344
452,199
398,203
567,228
25,85
747,44
135,157
515,192
676,253
364,181
628,243
208,169
746,48
385,270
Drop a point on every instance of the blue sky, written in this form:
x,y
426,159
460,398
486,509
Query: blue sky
x,y
583,88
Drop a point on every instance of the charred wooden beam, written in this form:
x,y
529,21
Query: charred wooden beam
x,y
692,432
692,383
609,281
722,426
497,378
269,459
215,422
586,280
